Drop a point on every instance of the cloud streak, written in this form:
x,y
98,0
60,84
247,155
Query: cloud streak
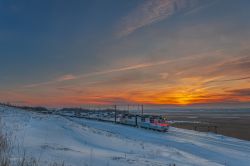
x,y
67,77
70,77
229,80
153,11
241,92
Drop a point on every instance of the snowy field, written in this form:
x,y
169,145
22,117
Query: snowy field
x,y
80,142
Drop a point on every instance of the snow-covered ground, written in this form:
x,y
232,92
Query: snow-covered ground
x,y
81,142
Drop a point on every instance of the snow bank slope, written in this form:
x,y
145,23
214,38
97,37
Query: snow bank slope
x,y
81,142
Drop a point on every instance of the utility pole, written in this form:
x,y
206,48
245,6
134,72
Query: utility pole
x,y
142,109
115,113
136,121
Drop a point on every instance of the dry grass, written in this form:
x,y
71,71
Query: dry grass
x,y
6,151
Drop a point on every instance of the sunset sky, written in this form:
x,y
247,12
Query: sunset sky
x,y
156,52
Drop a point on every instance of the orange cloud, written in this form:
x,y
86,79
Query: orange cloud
x,y
184,81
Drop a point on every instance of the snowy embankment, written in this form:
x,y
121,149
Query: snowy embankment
x,y
80,142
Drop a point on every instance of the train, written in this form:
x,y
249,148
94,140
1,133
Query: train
x,y
152,122
158,123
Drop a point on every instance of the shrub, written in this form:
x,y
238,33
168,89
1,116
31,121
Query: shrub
x,y
6,150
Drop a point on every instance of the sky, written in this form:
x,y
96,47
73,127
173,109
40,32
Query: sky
x,y
153,52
